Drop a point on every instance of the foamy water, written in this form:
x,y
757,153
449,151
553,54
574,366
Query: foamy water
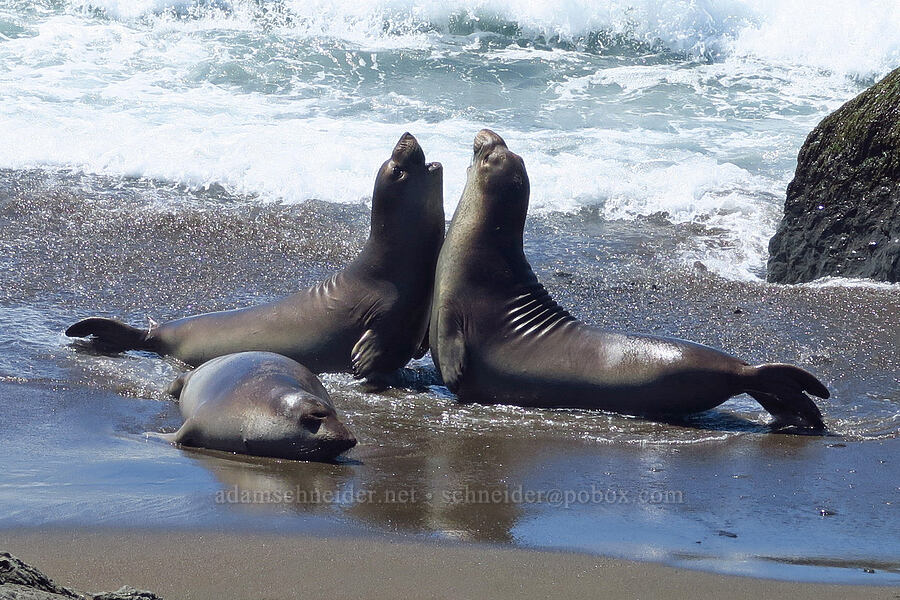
x,y
693,109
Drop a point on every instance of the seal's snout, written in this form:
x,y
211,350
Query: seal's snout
x,y
337,436
345,444
407,152
494,159
325,435
486,140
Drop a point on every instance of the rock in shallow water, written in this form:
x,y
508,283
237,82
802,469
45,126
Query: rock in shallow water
x,y
842,214
20,581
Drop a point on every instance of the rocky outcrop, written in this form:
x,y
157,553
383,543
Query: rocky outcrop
x,y
20,581
842,214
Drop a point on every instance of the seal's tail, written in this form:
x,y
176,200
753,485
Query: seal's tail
x,y
780,388
109,334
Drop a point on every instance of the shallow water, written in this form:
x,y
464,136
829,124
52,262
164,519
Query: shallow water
x,y
716,491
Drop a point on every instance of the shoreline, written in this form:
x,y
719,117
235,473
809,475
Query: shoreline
x,y
176,565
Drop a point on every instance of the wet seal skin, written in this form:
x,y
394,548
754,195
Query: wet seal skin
x,y
498,337
258,403
369,318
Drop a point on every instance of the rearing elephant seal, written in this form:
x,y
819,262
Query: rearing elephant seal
x,y
498,337
370,318
258,403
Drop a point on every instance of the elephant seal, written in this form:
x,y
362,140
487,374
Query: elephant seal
x,y
258,403
498,337
370,318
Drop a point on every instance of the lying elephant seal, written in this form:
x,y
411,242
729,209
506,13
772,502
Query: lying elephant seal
x,y
258,403
498,337
369,318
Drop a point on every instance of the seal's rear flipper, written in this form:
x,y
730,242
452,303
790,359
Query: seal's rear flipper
x,y
109,334
780,390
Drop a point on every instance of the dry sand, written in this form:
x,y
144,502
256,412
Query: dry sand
x,y
221,566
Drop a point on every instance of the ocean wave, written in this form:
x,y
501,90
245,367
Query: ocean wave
x,y
290,101
860,38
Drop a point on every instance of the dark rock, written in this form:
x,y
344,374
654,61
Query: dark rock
x,y
127,593
842,214
14,571
19,581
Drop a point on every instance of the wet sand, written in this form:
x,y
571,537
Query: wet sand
x,y
215,565
800,508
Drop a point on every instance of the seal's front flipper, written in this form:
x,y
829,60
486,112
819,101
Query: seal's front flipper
x,y
176,386
365,355
183,436
452,363
424,345
109,334
780,390
171,438
379,382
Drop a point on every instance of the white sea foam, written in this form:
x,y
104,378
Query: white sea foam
x,y
825,282
858,37
304,99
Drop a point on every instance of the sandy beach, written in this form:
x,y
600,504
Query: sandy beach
x,y
215,565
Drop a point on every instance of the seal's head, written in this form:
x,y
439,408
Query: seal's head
x,y
498,183
407,186
300,426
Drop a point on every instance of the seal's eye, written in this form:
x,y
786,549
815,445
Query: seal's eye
x,y
396,172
